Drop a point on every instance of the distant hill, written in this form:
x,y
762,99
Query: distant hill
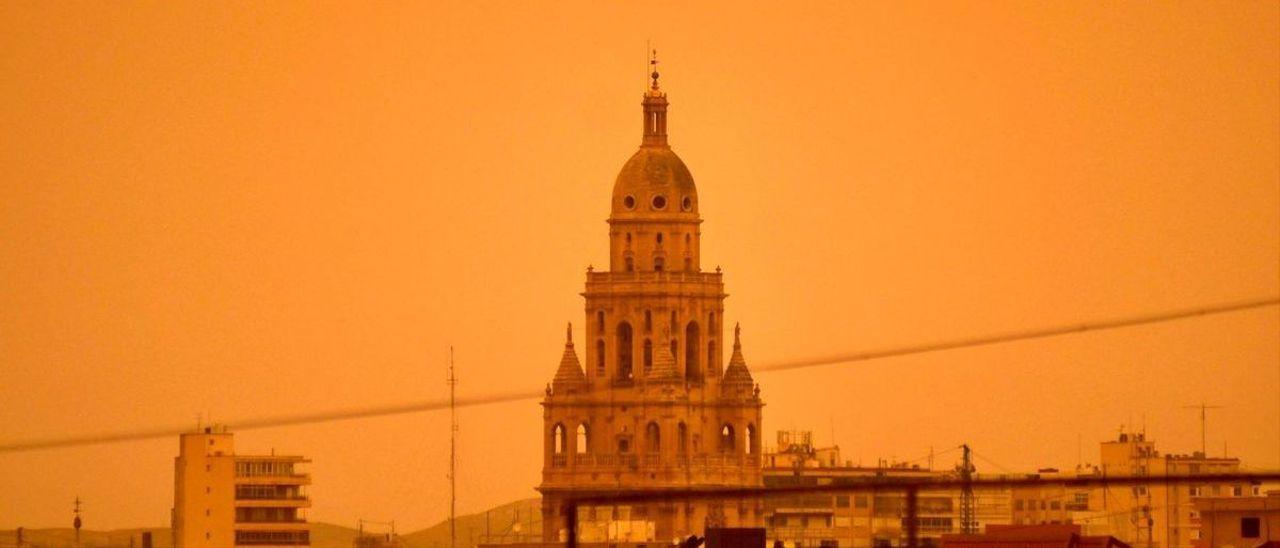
x,y
65,537
522,517
323,535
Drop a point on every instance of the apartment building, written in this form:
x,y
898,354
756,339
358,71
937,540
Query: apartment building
x,y
860,518
223,499
1153,515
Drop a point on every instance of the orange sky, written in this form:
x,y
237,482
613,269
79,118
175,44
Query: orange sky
x,y
255,209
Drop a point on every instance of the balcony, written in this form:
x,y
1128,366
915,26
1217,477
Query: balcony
x,y
273,538
694,283
658,460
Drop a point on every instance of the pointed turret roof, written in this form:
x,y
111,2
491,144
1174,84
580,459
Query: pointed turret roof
x,y
664,363
570,374
737,373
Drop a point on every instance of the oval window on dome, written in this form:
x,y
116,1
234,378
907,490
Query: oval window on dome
x,y
659,202
629,202
687,203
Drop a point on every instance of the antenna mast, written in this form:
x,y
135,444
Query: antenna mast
x,y
968,526
453,456
1204,446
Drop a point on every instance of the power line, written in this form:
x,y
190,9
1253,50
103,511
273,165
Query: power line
x,y
437,404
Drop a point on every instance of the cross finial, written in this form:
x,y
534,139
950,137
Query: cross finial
x,y
653,64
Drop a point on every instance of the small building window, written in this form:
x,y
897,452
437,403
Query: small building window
x,y
624,350
600,357
653,435
630,264
658,264
583,441
648,322
648,355
659,238
682,439
1250,528
624,445
751,438
727,441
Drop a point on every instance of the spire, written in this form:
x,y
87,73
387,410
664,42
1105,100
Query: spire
x,y
655,109
653,64
569,375
737,374
664,363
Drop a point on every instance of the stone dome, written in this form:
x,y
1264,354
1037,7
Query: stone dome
x,y
655,182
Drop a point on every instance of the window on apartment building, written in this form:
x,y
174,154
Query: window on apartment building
x,y
1055,505
1237,491
1256,490
1017,504
842,501
1195,491
1250,528
860,501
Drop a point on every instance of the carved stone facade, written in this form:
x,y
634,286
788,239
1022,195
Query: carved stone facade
x,y
654,410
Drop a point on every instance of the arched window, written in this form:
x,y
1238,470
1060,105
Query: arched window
x,y
557,439
727,440
688,239
648,355
624,445
659,236
600,357
751,438
583,440
675,348
711,357
624,350
628,239
653,435
682,438
692,352
648,322
600,322
688,264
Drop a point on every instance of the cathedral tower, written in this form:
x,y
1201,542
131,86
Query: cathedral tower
x,y
654,409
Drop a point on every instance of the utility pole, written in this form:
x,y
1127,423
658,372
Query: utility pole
x,y
453,456
968,525
1204,445
76,522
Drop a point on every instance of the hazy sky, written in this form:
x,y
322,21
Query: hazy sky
x,y
253,209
